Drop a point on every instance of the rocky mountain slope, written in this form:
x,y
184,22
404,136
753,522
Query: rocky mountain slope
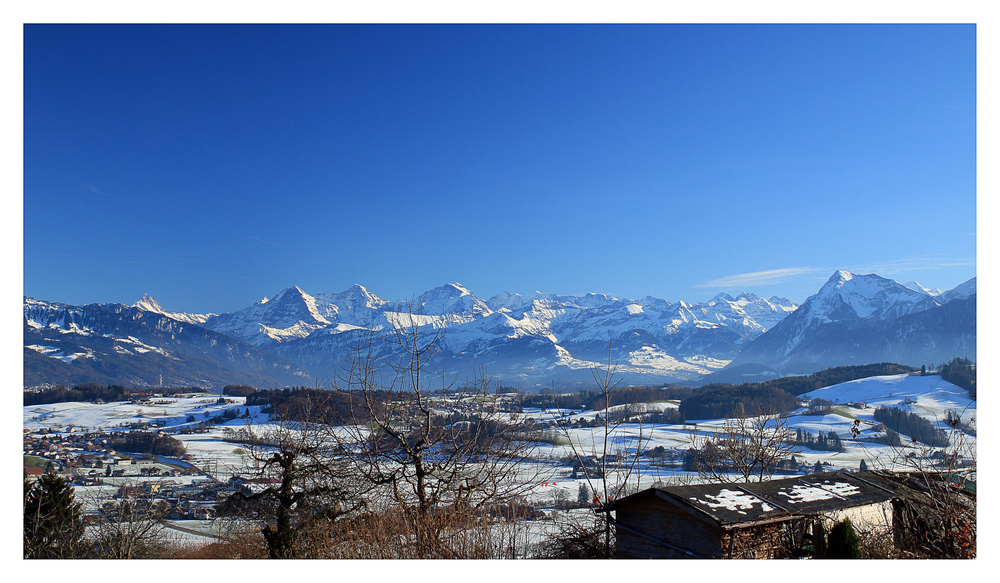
x,y
860,319
297,338
136,346
528,341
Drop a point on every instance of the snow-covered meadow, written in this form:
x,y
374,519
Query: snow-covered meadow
x,y
928,396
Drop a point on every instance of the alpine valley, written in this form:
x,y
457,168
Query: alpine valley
x,y
296,338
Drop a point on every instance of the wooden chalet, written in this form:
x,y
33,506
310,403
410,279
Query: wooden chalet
x,y
782,518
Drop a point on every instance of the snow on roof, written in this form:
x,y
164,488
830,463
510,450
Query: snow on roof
x,y
735,501
733,504
812,493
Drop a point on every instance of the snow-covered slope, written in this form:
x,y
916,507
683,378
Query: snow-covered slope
x,y
914,285
138,346
961,292
928,395
523,338
147,303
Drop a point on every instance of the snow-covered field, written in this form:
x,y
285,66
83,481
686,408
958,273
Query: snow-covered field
x,y
164,412
928,396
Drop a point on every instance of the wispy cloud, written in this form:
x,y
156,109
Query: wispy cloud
x,y
769,277
95,190
883,268
911,264
263,240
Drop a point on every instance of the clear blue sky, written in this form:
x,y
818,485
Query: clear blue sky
x,y
213,165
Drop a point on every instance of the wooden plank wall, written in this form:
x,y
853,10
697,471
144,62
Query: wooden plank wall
x,y
665,522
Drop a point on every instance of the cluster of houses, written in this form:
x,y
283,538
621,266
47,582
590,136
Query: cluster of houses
x,y
69,450
197,500
78,454
85,458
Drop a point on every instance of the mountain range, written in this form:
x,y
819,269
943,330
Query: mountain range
x,y
297,338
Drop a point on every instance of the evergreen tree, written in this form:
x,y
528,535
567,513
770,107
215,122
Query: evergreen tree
x,y
53,523
862,467
583,495
842,542
833,442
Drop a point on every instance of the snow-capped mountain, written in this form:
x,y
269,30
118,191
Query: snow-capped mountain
x,y
530,339
296,337
138,345
149,304
917,287
860,319
960,292
291,314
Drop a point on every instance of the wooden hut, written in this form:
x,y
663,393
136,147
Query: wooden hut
x,y
773,519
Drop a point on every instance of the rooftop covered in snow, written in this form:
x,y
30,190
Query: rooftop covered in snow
x,y
732,504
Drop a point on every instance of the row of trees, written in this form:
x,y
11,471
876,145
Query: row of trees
x,y
961,372
717,401
911,424
84,393
829,441
96,392
148,442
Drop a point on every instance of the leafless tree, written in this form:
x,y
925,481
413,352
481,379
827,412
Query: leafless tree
x,y
747,449
295,477
616,472
128,527
438,465
936,512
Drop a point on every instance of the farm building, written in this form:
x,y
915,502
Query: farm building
x,y
773,519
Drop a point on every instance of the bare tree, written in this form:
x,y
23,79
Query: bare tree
x,y
128,527
616,472
295,478
936,513
434,463
747,449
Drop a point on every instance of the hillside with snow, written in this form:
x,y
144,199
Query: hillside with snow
x,y
137,346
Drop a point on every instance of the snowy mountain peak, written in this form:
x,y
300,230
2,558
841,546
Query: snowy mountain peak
x,y
360,294
722,296
450,298
505,301
290,307
917,287
292,292
848,296
839,278
148,304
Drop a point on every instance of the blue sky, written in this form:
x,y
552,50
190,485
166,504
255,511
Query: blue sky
x,y
213,165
